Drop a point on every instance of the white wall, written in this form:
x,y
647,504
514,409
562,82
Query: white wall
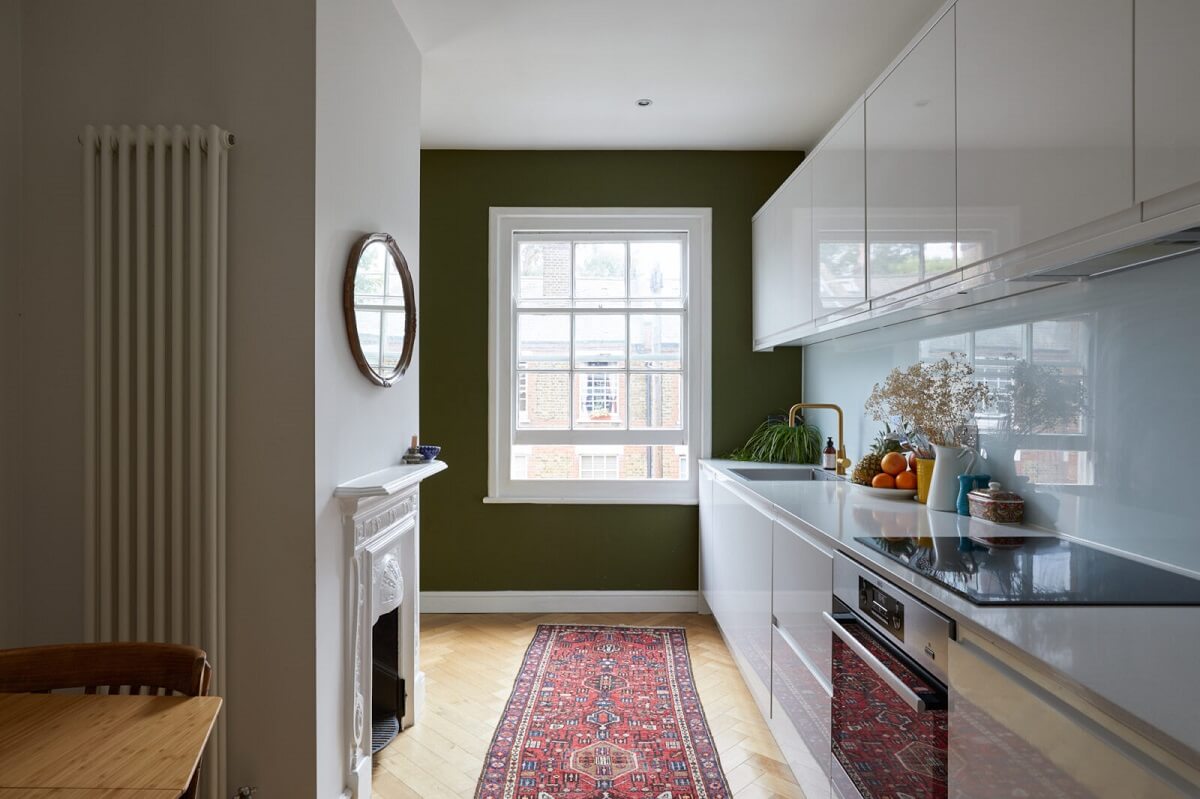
x,y
368,179
249,66
11,573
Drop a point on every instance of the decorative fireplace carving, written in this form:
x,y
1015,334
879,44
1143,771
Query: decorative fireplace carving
x,y
380,520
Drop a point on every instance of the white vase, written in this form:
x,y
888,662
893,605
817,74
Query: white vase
x,y
948,464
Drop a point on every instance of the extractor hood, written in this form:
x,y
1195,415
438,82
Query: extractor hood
x,y
1171,245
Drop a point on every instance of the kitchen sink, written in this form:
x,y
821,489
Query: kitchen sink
x,y
791,475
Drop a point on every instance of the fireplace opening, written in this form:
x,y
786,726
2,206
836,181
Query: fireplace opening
x,y
387,686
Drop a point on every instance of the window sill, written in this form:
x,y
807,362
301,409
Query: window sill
x,y
589,501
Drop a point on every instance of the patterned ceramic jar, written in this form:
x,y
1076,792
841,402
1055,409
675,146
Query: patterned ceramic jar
x,y
997,505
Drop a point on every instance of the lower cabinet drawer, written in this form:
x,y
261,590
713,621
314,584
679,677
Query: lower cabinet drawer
x,y
800,717
1010,736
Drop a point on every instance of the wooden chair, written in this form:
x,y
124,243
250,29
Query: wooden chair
x,y
154,669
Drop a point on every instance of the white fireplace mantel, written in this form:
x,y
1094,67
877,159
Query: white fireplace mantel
x,y
381,527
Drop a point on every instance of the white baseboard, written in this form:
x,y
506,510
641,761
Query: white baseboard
x,y
559,601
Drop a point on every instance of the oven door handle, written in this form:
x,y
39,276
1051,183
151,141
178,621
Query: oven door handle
x,y
895,683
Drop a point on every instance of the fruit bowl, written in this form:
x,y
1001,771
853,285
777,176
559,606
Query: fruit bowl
x,y
887,493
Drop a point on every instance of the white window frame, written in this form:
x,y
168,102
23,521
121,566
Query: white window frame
x,y
696,224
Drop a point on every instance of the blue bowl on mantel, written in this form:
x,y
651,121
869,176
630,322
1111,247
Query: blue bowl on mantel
x,y
429,451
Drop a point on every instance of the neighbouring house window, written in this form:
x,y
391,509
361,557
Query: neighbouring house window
x,y
599,467
598,339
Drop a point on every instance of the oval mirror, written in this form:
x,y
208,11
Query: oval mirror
x,y
380,308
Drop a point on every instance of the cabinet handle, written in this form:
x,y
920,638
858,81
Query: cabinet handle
x,y
895,683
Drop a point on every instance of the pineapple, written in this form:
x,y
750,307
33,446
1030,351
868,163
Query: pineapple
x,y
871,463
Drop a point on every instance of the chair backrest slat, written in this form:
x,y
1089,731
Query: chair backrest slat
x,y
169,667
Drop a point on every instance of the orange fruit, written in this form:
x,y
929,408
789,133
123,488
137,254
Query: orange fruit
x,y
884,480
907,480
893,463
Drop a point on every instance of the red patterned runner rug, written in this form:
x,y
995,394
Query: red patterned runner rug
x,y
604,713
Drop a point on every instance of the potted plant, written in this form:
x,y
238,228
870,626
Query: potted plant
x,y
936,401
774,442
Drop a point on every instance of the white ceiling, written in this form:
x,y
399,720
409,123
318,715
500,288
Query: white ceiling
x,y
723,74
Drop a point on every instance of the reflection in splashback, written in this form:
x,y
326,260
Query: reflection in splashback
x,y
1096,387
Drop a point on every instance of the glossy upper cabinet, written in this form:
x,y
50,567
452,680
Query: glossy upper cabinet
x,y
911,167
1167,95
839,218
782,234
1045,118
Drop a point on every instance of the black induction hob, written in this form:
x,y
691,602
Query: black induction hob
x,y
1037,571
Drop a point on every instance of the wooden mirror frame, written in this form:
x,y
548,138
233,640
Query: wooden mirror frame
x,y
410,309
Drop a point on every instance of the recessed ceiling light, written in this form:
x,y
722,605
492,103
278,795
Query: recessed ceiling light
x,y
645,101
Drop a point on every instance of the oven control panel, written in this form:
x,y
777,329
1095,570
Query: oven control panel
x,y
883,608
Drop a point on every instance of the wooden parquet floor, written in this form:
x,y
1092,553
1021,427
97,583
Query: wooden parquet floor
x,y
470,662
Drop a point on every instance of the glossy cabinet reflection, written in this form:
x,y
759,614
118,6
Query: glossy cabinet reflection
x,y
1167,95
910,167
1012,737
741,542
1045,119
839,218
801,656
800,717
783,259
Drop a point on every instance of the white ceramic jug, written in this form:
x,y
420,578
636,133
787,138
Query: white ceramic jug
x,y
948,464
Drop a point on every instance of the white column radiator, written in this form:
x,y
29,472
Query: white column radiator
x,y
154,214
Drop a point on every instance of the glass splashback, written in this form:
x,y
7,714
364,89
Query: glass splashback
x,y
1097,386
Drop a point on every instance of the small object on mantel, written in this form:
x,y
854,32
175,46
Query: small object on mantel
x,y
413,456
994,504
429,451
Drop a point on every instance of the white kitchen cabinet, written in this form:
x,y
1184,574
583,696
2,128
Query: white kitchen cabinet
x,y
707,556
1010,735
839,218
802,589
1044,119
742,575
911,167
801,656
782,239
1166,96
800,716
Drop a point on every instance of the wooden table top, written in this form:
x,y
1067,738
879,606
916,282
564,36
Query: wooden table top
x,y
85,793
134,747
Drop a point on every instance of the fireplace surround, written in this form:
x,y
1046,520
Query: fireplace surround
x,y
385,689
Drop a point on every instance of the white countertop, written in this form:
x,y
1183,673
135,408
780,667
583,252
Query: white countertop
x,y
1143,661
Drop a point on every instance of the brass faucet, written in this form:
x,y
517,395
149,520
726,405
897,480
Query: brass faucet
x,y
843,463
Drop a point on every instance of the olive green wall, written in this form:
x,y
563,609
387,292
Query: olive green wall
x,y
469,546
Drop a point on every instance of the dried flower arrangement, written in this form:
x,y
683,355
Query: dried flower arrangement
x,y
935,401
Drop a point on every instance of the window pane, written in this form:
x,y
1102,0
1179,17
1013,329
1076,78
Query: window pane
x,y
544,270
543,400
656,269
393,342
656,400
543,341
840,274
894,265
584,462
368,334
599,269
939,257
655,341
369,278
599,400
600,341
934,349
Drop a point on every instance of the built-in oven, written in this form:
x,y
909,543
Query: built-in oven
x,y
889,713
